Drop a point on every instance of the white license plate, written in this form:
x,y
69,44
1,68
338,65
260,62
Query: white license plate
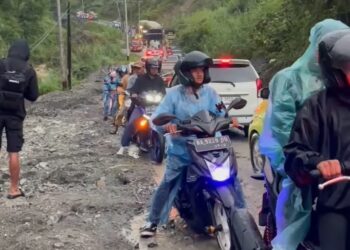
x,y
151,109
212,143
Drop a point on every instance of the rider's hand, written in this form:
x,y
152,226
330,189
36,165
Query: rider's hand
x,y
235,123
330,169
170,128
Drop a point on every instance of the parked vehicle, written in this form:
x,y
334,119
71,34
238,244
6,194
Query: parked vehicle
x,y
255,130
206,199
136,45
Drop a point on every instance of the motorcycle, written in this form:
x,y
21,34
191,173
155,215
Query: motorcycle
x,y
267,215
207,198
147,139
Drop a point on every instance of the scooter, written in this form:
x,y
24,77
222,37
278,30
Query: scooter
x,y
207,200
273,182
147,139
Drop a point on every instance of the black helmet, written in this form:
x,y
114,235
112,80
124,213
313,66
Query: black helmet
x,y
334,58
122,70
194,59
152,63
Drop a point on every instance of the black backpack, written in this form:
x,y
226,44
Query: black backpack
x,y
12,87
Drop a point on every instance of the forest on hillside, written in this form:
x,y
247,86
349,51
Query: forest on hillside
x,y
93,45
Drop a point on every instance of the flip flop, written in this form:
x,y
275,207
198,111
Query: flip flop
x,y
11,197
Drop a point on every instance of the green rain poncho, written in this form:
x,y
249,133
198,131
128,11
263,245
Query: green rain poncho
x,y
289,88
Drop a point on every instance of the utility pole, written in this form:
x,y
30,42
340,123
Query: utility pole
x,y
82,5
119,15
138,23
127,31
69,48
60,40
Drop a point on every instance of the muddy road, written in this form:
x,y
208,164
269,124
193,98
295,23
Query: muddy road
x,y
79,193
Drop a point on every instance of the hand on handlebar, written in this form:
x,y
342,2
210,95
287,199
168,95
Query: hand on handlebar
x,y
170,128
330,169
235,123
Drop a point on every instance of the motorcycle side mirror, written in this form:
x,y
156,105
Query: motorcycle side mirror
x,y
237,103
163,119
264,93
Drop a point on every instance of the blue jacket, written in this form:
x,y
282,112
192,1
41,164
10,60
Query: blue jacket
x,y
181,102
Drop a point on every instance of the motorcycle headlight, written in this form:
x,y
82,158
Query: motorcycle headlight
x,y
158,98
219,172
149,98
127,103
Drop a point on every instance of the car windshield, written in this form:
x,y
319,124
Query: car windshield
x,y
232,73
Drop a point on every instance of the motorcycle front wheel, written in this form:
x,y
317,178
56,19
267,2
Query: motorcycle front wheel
x,y
221,218
158,147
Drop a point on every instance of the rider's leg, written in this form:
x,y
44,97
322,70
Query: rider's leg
x,y
164,196
106,101
332,230
129,132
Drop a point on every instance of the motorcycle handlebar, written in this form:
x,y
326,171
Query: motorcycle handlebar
x,y
315,173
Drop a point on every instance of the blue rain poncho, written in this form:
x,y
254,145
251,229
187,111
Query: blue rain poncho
x,y
289,88
181,102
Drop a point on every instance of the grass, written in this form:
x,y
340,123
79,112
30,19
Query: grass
x,y
93,46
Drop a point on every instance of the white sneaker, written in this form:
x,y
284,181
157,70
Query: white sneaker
x,y
122,150
133,152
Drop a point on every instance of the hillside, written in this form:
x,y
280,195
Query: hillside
x,y
93,45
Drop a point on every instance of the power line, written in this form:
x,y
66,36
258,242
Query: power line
x,y
46,34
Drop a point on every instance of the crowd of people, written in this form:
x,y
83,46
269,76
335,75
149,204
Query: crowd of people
x,y
305,129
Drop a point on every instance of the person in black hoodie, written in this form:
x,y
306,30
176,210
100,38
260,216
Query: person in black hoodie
x,y
320,139
18,81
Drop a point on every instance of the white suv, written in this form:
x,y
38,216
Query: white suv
x,y
235,78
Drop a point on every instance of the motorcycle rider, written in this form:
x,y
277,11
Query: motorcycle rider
x,y
144,83
109,94
289,88
183,101
136,69
320,140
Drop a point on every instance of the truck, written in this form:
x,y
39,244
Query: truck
x,y
153,34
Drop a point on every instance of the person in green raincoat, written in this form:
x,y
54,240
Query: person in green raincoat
x,y
289,88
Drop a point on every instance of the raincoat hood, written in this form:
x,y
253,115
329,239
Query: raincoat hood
x,y
19,50
308,61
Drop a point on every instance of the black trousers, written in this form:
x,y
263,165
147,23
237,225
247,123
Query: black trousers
x,y
333,229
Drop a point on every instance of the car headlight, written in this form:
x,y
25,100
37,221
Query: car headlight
x,y
219,172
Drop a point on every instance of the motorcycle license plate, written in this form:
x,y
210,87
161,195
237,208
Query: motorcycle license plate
x,y
212,143
151,109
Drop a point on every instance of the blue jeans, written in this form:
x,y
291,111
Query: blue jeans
x,y
165,194
106,103
130,129
114,104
